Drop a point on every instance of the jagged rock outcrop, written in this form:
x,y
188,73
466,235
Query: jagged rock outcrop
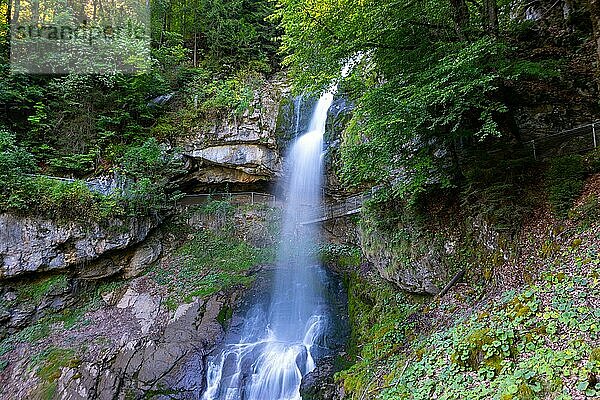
x,y
237,148
244,163
145,348
29,245
412,268
171,361
320,383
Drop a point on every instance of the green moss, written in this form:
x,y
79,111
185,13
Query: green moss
x,y
564,181
209,260
377,312
225,314
36,291
344,257
49,364
470,353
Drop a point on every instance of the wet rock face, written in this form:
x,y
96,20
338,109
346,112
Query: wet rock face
x,y
410,269
319,384
29,245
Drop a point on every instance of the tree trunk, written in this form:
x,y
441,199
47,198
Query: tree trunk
x,y
594,9
195,49
490,17
461,17
16,11
6,49
35,12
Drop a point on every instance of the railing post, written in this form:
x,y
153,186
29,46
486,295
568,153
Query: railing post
x,y
594,134
534,152
252,201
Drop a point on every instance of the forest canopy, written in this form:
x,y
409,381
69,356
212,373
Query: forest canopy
x,y
433,76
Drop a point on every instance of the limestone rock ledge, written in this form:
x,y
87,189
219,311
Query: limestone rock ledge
x,y
234,148
32,245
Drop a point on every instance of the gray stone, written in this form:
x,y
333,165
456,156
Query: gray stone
x,y
30,244
409,269
237,148
144,255
319,384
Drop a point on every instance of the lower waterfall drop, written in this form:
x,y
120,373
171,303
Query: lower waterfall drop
x,y
279,341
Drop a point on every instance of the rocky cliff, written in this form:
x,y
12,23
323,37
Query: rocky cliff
x,y
124,312
236,150
31,245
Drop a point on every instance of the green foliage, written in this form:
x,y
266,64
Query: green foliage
x,y
52,359
80,125
228,34
55,199
145,170
399,132
229,96
593,161
564,181
21,191
208,263
211,259
342,256
428,79
15,164
537,342
376,310
220,208
149,169
30,334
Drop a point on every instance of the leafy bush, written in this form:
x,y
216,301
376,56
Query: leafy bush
x,y
15,164
340,255
564,181
61,200
148,168
232,95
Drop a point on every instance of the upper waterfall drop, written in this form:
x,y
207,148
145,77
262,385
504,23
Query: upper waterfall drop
x,y
319,117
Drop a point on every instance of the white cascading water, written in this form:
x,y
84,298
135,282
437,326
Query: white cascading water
x,y
276,347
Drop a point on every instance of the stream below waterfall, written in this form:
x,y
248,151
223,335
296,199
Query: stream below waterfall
x,y
284,333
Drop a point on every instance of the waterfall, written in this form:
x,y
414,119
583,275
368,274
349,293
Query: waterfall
x,y
279,341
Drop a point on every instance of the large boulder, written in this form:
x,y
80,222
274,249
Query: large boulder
x,y
251,159
320,384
